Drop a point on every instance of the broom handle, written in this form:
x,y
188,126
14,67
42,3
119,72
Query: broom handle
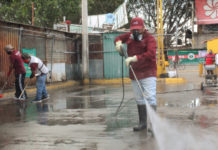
x,y
24,88
6,82
4,85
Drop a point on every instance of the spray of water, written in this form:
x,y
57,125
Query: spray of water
x,y
170,136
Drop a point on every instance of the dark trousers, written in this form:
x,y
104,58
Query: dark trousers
x,y
19,85
209,72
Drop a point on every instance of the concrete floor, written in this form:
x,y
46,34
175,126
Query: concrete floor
x,y
82,117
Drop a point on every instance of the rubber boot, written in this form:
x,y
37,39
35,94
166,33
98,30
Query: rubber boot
x,y
142,118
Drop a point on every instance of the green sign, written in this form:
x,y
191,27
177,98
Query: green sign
x,y
31,52
187,56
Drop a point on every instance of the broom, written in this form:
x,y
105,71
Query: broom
x,y
24,89
2,89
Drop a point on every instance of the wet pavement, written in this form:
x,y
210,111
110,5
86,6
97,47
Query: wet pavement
x,y
83,118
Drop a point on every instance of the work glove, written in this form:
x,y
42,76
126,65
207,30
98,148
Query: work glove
x,y
32,75
130,59
119,46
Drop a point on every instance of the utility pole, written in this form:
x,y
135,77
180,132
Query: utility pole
x,y
161,69
33,13
85,44
193,44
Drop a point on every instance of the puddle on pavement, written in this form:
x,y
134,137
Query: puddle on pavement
x,y
206,101
87,99
42,107
85,102
13,112
191,104
38,112
9,113
173,88
74,90
93,92
184,103
21,111
98,99
190,99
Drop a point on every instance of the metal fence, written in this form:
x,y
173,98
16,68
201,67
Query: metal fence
x,y
112,60
60,51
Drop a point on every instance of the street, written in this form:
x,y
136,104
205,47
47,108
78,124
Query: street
x,y
83,118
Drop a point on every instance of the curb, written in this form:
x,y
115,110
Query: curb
x,y
94,82
108,81
48,87
127,80
172,80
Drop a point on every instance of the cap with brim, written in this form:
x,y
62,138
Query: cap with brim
x,y
8,47
136,23
25,56
136,27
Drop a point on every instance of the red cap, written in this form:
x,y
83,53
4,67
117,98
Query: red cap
x,y
136,23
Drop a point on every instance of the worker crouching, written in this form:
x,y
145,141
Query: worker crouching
x,y
40,71
141,49
17,65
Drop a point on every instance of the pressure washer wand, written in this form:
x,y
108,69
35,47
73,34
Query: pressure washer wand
x,y
139,85
124,53
130,66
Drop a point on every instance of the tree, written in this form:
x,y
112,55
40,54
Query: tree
x,y
103,6
71,9
176,14
49,12
46,13
15,11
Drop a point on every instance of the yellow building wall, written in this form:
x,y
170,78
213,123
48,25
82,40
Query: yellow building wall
x,y
213,45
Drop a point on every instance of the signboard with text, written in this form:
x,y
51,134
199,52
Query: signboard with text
x,y
188,56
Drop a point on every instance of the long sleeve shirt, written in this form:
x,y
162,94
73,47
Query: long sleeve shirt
x,y
145,51
17,63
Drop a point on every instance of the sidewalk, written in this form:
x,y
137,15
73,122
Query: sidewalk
x,y
57,85
184,77
31,90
